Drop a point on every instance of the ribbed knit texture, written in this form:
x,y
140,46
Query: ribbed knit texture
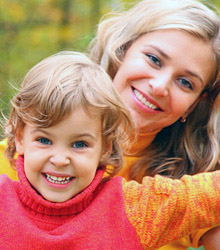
x,y
94,219
174,207
30,198
143,141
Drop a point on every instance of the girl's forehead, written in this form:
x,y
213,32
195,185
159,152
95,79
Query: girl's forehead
x,y
76,121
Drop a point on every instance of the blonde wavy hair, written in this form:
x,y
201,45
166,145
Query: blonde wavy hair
x,y
180,148
59,84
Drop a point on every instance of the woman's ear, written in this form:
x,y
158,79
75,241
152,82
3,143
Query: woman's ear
x,y
19,143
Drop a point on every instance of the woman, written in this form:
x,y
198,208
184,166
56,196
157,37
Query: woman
x,y
163,57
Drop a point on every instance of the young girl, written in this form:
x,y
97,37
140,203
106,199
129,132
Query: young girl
x,y
65,125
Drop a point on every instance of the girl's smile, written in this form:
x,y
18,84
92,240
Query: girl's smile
x,y
57,180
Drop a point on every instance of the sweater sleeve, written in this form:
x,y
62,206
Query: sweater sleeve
x,y
163,210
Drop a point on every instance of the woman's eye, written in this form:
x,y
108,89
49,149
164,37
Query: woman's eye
x,y
154,60
44,140
185,83
79,144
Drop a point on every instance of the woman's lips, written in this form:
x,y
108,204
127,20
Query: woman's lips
x,y
146,101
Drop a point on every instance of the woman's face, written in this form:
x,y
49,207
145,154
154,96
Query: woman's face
x,y
162,75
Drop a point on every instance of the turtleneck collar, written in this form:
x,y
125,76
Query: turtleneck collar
x,y
30,197
143,140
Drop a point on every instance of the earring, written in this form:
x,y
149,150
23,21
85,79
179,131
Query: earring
x,y
182,119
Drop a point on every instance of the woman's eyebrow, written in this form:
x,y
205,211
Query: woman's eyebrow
x,y
160,51
195,75
168,58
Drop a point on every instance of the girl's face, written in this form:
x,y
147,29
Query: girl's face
x,y
162,76
60,161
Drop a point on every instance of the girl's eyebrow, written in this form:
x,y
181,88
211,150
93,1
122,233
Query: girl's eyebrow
x,y
76,136
36,130
86,135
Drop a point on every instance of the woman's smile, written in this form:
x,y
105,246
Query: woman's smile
x,y
162,76
145,101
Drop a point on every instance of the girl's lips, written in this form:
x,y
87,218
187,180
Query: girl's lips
x,y
57,174
57,180
146,100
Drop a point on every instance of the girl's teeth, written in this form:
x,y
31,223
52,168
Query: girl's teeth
x,y
142,99
57,180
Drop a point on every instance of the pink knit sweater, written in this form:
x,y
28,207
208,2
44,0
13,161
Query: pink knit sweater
x,y
107,215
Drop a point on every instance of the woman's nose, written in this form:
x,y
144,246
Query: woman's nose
x,y
160,85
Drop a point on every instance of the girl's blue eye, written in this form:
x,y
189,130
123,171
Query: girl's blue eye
x,y
79,144
186,83
44,140
154,60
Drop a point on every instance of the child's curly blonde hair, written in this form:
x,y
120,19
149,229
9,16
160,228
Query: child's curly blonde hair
x,y
58,85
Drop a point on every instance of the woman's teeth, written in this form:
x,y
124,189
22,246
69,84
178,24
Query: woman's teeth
x,y
57,180
143,100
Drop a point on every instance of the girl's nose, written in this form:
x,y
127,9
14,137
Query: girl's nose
x,y
60,159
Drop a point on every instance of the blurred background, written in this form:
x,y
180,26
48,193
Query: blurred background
x,y
33,30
